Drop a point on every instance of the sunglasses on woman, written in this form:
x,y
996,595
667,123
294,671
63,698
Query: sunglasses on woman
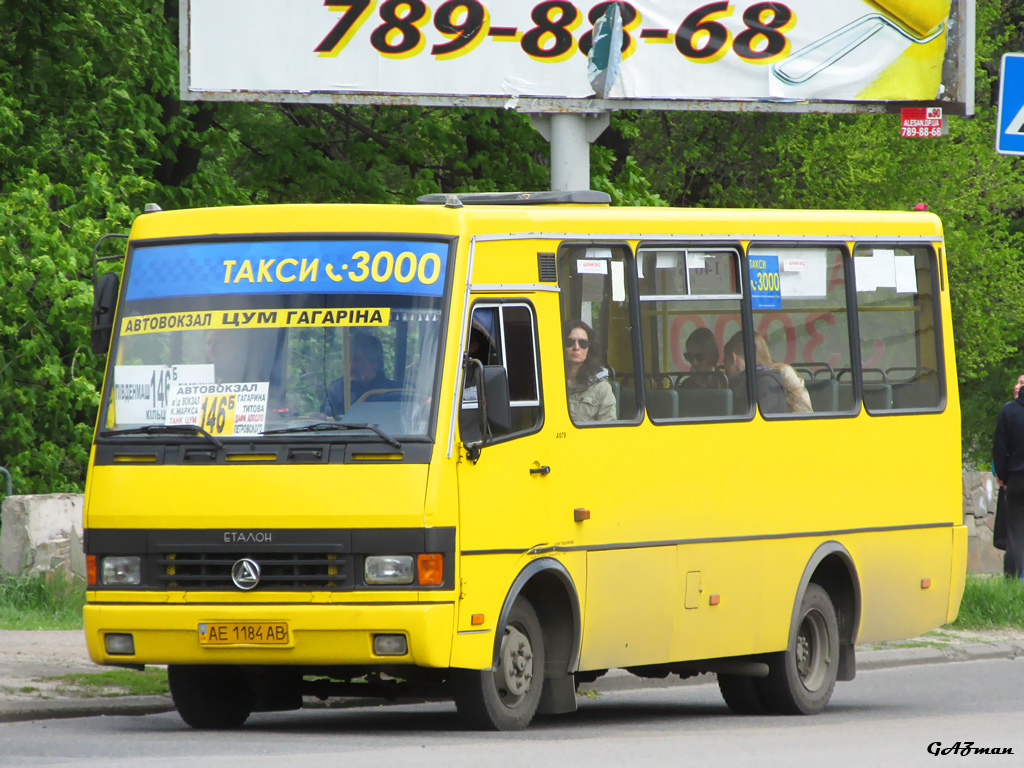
x,y
570,342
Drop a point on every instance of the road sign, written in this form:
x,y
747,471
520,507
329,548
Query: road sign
x,y
1010,125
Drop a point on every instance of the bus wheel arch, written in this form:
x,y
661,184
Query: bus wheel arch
x,y
826,613
832,568
544,589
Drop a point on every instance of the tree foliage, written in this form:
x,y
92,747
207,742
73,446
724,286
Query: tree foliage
x,y
91,128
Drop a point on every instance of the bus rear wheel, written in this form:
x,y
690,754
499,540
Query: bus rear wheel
x,y
506,698
801,678
210,697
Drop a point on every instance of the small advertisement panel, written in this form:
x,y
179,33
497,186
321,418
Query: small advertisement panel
x,y
497,53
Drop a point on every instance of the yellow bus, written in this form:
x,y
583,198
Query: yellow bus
x,y
491,446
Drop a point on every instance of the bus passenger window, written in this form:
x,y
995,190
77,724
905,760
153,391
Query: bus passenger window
x,y
597,334
898,320
801,324
690,301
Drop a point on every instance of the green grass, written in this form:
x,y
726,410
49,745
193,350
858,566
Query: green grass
x,y
41,602
116,682
991,602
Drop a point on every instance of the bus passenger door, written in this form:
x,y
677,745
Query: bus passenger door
x,y
501,494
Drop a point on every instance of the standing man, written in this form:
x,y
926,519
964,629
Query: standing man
x,y
1008,463
999,527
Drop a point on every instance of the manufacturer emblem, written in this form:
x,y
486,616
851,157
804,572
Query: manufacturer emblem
x,y
245,573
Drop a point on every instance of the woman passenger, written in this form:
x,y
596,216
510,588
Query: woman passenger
x,y
797,398
589,392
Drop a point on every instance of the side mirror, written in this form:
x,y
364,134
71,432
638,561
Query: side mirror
x,y
497,408
104,301
491,411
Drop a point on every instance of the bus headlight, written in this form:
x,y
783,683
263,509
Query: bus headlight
x,y
121,571
388,569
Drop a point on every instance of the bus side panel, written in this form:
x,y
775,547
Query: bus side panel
x,y
904,581
630,601
752,584
958,577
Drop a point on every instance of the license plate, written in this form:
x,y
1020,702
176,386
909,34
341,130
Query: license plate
x,y
244,633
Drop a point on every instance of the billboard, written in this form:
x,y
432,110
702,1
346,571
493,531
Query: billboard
x,y
799,55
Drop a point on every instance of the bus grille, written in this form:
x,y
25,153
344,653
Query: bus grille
x,y
278,570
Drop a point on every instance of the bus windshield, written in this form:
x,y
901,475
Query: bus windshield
x,y
245,337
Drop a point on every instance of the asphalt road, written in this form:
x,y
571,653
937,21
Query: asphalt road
x,y
887,716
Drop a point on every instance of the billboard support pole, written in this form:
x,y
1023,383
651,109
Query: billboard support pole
x,y
570,135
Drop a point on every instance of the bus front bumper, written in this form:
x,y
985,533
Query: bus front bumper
x,y
279,634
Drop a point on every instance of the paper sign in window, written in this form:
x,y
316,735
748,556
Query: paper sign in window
x,y
875,271
906,275
591,267
618,281
804,276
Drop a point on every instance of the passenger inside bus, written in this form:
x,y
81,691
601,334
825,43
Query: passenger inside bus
x,y
589,391
366,375
771,392
797,398
702,355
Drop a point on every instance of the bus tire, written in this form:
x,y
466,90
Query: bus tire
x,y
210,697
743,694
801,678
505,698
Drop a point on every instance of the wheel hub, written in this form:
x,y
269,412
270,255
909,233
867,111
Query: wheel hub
x,y
813,652
516,663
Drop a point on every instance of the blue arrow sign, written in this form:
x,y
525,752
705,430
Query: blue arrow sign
x,y
1010,124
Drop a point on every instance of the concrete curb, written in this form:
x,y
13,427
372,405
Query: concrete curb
x,y
614,680
52,709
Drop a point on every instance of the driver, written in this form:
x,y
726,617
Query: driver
x,y
366,374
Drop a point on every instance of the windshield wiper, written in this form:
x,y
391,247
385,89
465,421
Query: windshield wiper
x,y
329,426
190,430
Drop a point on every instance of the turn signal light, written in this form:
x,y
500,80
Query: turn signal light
x,y
430,570
90,570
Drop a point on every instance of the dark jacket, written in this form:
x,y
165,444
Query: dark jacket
x,y
771,392
334,403
1008,444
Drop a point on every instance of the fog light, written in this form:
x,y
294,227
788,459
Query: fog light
x,y
121,571
119,645
390,645
388,569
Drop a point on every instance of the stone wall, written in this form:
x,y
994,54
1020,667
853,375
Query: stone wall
x,y
43,534
980,492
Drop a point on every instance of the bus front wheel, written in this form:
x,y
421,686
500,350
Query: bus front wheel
x,y
210,697
743,694
506,698
801,678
